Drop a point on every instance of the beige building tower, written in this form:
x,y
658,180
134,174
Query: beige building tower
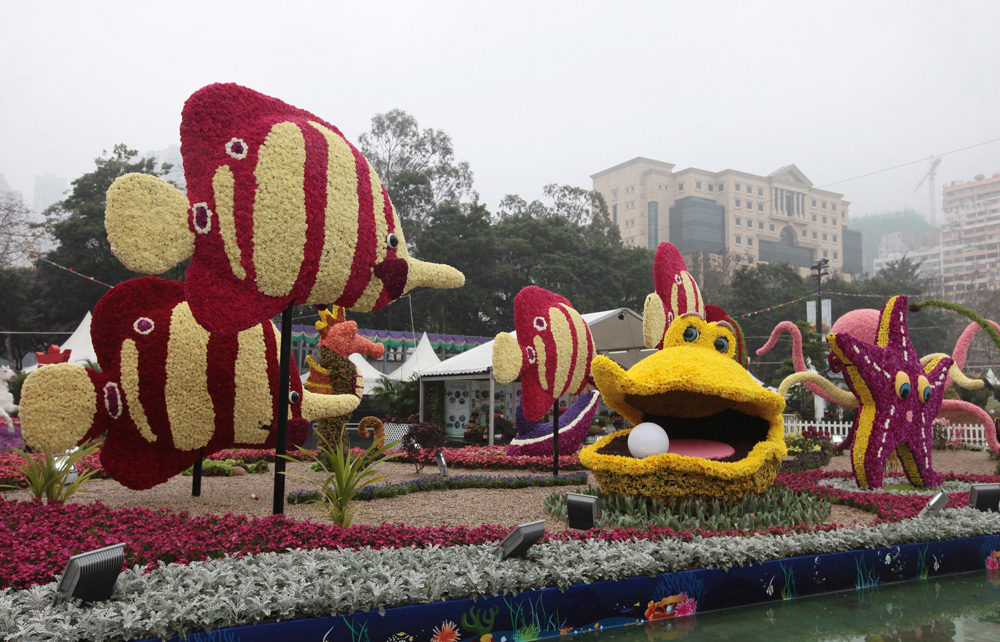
x,y
970,231
776,218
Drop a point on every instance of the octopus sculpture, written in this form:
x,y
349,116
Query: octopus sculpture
x,y
863,324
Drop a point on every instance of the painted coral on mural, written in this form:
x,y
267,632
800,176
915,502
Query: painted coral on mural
x,y
169,390
280,209
702,426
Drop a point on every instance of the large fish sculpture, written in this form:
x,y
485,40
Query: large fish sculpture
x,y
551,355
280,209
676,295
168,389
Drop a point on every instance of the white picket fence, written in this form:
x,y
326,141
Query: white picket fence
x,y
969,434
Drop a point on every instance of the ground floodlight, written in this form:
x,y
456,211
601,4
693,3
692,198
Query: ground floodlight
x,y
934,506
985,497
517,543
442,466
91,576
581,511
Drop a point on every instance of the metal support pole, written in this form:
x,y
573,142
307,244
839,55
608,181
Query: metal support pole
x,y
555,438
196,474
282,434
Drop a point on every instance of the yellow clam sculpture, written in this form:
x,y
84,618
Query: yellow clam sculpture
x,y
694,390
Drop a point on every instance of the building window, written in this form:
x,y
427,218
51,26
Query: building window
x,y
697,184
814,236
835,255
739,221
739,239
652,224
749,205
834,206
614,193
749,189
680,186
824,236
824,204
825,254
739,203
614,219
760,191
749,240
803,233
711,187
834,239
824,220
814,218
736,186
760,207
722,187
772,227
760,225
814,202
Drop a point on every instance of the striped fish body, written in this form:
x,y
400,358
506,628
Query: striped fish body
x,y
555,349
280,209
168,389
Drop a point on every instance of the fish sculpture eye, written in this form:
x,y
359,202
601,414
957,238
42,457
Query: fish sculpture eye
x,y
691,333
721,344
902,385
392,241
923,389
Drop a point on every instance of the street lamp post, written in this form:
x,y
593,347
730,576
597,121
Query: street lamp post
x,y
819,269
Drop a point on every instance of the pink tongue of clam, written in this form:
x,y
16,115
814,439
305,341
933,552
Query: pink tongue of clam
x,y
704,448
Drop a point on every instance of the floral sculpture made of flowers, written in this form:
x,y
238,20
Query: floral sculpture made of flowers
x,y
551,354
169,390
280,209
899,395
334,373
720,433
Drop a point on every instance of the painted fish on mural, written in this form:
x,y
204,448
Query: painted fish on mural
x,y
280,209
168,389
551,354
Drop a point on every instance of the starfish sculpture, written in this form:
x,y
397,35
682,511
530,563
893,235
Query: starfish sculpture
x,y
899,398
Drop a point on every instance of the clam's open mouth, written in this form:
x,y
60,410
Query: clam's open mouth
x,y
697,425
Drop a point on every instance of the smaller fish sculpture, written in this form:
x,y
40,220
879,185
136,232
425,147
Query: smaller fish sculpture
x,y
551,354
677,294
535,439
280,209
168,390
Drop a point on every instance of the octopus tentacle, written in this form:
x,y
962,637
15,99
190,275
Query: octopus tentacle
x,y
798,360
836,395
957,405
954,373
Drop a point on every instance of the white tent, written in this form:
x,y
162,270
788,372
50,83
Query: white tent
x,y
369,372
82,348
422,358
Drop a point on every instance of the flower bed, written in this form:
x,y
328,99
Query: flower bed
x,y
494,458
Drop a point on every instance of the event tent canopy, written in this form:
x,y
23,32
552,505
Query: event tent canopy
x,y
79,343
422,358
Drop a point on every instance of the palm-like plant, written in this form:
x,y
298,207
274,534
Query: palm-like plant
x,y
346,475
48,473
397,398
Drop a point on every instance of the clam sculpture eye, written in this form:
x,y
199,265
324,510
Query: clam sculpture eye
x,y
722,344
391,241
902,385
923,389
691,333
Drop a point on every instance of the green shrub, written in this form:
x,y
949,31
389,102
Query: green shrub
x,y
779,507
47,473
224,468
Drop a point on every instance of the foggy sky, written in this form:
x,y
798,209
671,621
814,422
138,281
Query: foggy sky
x,y
532,92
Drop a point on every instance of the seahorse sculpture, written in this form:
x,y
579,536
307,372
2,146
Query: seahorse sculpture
x,y
378,430
334,373
863,324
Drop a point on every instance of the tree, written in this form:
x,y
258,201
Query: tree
x,y
77,225
18,238
417,168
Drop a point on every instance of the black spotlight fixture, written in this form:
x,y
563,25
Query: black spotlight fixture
x,y
985,497
91,576
581,511
517,543
935,505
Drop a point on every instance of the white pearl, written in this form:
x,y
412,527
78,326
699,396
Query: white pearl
x,y
648,439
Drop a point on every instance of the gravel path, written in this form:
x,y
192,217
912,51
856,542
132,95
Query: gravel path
x,y
252,495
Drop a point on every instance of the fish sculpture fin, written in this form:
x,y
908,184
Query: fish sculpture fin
x,y
147,223
654,321
59,407
319,406
507,358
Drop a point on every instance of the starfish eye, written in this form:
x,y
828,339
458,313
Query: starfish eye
x,y
924,389
691,334
902,385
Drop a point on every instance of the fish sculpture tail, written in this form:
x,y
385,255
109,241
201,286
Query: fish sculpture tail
x,y
59,406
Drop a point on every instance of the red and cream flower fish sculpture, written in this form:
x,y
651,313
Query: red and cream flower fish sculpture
x,y
168,389
552,355
280,209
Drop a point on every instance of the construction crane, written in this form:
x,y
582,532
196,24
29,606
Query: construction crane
x,y
929,177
